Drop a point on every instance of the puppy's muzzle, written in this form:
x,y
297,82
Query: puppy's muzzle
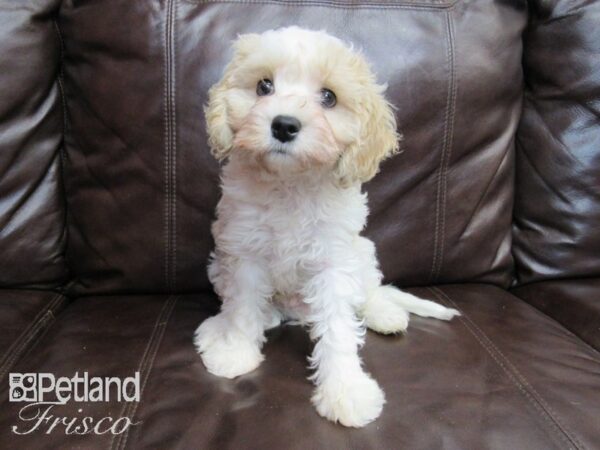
x,y
285,128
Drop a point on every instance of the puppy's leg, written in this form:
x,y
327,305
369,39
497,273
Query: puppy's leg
x,y
344,391
230,342
387,308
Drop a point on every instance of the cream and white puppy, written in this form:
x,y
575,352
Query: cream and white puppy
x,y
302,123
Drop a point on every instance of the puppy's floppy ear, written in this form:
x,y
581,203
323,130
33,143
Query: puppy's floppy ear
x,y
220,135
377,138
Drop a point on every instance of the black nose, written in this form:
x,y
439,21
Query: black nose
x,y
285,128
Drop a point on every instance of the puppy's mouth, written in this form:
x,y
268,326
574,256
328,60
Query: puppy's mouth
x,y
280,150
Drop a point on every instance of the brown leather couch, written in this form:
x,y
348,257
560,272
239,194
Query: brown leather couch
x,y
107,192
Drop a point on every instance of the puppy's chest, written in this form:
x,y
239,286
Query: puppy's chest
x,y
295,246
295,234
290,237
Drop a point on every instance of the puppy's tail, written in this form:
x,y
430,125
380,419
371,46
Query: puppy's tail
x,y
387,310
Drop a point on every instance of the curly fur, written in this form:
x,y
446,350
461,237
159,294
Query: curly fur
x,y
287,234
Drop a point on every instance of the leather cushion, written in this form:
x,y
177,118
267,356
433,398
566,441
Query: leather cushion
x,y
573,303
557,209
32,212
142,186
502,376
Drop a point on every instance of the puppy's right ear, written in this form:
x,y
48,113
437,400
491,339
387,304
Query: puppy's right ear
x,y
220,136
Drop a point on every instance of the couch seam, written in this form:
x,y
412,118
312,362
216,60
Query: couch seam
x,y
17,349
441,5
145,365
449,143
166,164
442,172
485,193
25,337
169,138
63,148
61,75
21,345
524,386
174,145
166,161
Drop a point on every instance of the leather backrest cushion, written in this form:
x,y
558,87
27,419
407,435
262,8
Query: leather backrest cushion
x,y
32,212
557,209
142,186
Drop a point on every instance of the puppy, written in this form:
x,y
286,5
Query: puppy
x,y
302,123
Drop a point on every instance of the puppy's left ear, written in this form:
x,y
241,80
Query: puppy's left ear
x,y
377,140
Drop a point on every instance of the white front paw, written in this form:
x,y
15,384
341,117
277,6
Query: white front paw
x,y
225,354
354,401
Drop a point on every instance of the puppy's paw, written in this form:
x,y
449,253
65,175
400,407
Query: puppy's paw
x,y
225,355
353,402
385,317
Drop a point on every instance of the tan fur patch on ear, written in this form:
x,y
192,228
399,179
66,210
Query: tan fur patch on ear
x,y
220,135
378,139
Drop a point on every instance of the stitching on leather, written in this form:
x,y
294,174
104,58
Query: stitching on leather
x,y
146,364
150,363
17,348
166,159
442,172
434,5
22,345
449,140
546,411
174,147
438,180
42,319
169,126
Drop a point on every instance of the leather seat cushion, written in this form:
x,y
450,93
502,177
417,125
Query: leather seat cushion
x,y
502,376
574,303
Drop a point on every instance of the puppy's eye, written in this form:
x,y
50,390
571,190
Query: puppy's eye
x,y
328,98
264,87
